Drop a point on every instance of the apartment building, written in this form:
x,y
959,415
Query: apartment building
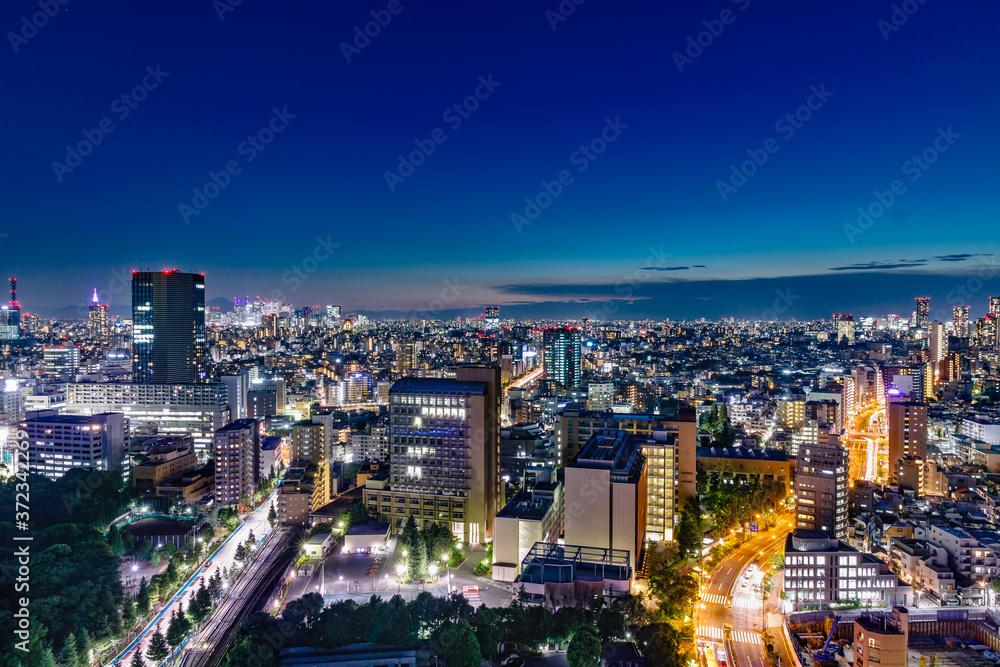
x,y
821,497
237,461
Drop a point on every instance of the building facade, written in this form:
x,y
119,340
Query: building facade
x,y
168,327
821,484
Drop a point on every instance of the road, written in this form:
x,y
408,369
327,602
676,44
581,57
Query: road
x,y
728,598
867,435
224,556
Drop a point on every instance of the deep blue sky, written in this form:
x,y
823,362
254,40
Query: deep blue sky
x,y
655,187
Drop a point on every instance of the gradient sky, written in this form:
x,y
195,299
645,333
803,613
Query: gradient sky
x,y
651,199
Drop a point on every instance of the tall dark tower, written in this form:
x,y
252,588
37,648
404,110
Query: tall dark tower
x,y
562,356
168,327
10,319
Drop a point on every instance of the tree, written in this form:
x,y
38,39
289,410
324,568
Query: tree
x,y
70,654
115,541
272,516
145,549
48,659
251,538
457,644
246,652
689,529
660,644
416,551
155,557
610,624
86,647
142,599
202,603
172,572
584,649
137,660
157,649
176,630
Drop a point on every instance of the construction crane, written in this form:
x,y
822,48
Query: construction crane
x,y
827,654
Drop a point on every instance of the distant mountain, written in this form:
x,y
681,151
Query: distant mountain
x,y
222,303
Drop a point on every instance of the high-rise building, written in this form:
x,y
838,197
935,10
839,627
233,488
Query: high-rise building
x,y
791,411
907,431
562,356
939,342
994,306
237,461
444,453
492,317
821,489
923,316
988,332
406,357
59,443
605,494
99,323
960,321
845,330
10,316
168,327
237,386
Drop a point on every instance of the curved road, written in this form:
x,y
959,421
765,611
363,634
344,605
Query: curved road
x,y
730,614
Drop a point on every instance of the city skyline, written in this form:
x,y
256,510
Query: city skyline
x,y
656,125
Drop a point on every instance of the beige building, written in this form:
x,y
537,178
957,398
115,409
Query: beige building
x,y
670,446
907,430
237,461
791,411
532,515
172,458
741,464
606,495
880,639
303,489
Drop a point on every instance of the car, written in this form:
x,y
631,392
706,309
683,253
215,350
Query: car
x,y
208,564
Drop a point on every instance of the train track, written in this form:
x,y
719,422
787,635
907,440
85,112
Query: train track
x,y
258,583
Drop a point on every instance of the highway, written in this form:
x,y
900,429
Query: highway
x,y
224,556
865,442
730,615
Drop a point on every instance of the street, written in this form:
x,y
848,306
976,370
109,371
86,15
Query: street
x,y
731,614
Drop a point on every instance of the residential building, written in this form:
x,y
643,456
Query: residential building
x,y
880,639
907,424
237,461
171,458
534,514
821,489
62,360
740,465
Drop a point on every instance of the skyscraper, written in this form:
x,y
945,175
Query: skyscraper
x,y
562,356
492,317
923,311
821,489
995,305
168,327
939,342
237,461
960,320
10,317
99,321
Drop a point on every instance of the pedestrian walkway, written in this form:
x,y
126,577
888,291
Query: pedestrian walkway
x,y
714,598
746,602
742,636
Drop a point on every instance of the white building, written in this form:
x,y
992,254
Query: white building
x,y
59,443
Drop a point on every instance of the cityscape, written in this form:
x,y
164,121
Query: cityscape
x,y
564,334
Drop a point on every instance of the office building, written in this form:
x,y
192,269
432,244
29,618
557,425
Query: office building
x,y
960,321
605,494
59,443
923,312
988,331
845,330
237,461
98,320
303,489
600,396
562,361
994,306
237,386
821,489
907,424
262,403
444,459
176,409
406,357
168,327
61,361
371,445
820,570
491,317
880,639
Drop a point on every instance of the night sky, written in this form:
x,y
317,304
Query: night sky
x,y
631,127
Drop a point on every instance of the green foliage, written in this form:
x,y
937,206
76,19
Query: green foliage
x,y
137,660
416,551
610,624
584,649
484,566
321,529
733,505
689,529
660,645
142,599
673,590
115,542
272,515
70,654
145,549
157,648
245,652
155,557
179,625
456,643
